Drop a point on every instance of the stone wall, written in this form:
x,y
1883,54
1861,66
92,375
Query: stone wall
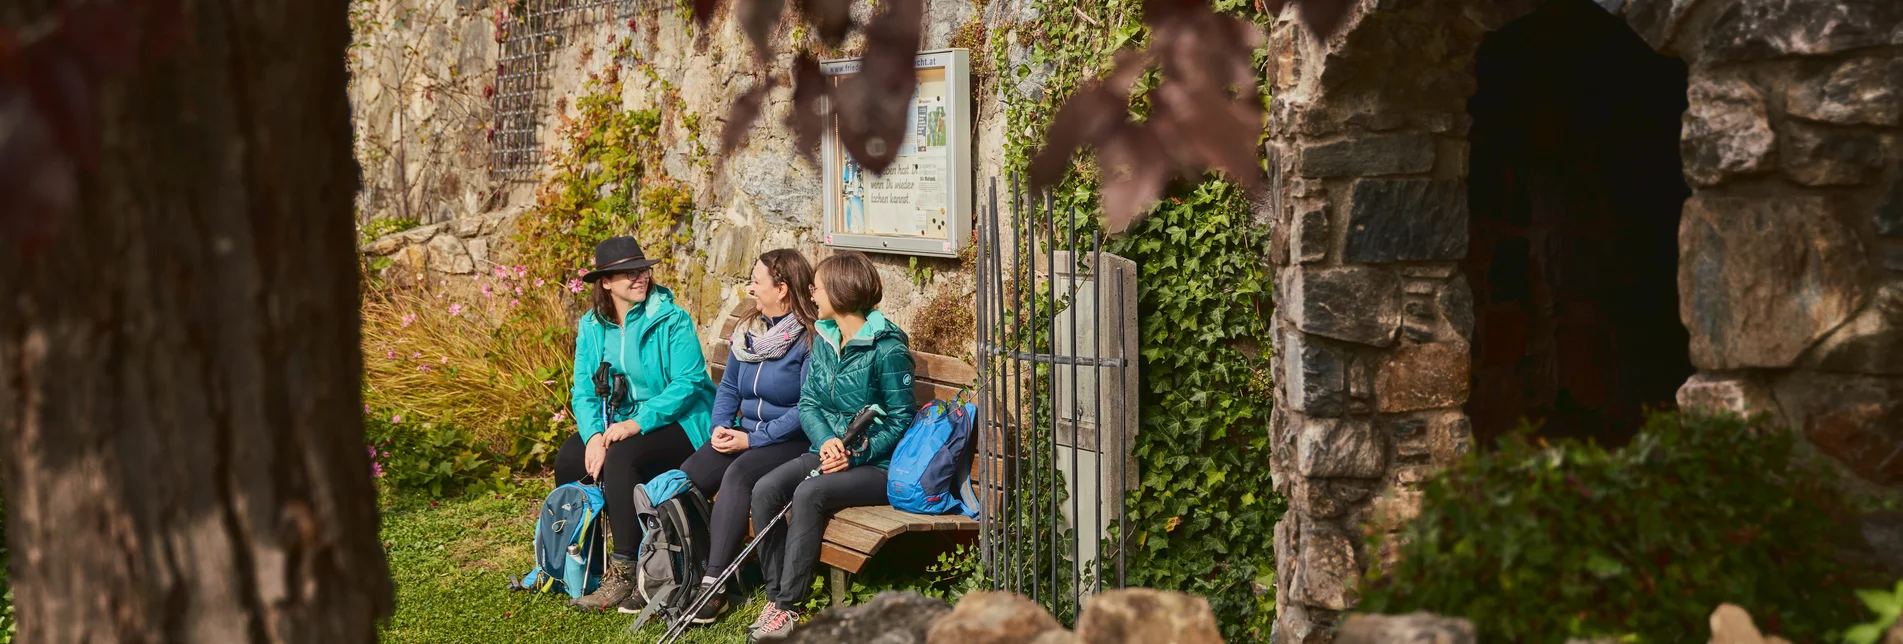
x,y
422,74
1374,321
1790,264
1791,247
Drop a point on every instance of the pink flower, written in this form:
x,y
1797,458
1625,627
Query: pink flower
x,y
390,354
580,272
416,355
397,418
574,286
514,302
538,282
455,309
518,290
445,359
423,368
366,409
486,292
521,271
560,415
408,318
502,271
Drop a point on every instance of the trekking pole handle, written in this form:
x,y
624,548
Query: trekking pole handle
x,y
855,429
860,422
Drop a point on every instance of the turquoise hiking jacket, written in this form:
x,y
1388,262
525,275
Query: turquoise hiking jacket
x,y
657,349
874,367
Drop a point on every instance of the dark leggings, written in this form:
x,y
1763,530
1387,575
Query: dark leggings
x,y
631,461
733,477
789,553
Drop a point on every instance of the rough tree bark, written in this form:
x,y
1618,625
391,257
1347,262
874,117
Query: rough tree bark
x,y
180,426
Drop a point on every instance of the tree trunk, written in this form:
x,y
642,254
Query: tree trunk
x,y
180,427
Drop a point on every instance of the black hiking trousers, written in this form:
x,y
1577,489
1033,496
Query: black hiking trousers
x,y
733,477
789,553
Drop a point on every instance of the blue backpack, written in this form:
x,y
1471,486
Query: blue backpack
x,y
931,469
570,552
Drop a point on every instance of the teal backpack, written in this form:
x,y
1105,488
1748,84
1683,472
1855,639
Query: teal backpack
x,y
570,553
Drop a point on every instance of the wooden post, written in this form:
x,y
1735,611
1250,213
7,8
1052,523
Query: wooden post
x,y
840,583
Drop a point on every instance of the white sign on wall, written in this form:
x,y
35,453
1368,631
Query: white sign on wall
x,y
922,204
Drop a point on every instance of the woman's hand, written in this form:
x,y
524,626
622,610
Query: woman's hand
x,y
832,456
596,454
623,430
729,441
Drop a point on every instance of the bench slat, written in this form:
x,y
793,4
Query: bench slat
x,y
912,522
841,558
855,536
872,520
926,391
945,369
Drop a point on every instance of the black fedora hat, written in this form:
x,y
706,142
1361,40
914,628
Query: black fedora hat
x,y
618,255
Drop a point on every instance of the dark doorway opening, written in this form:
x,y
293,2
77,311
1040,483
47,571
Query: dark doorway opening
x,y
1575,188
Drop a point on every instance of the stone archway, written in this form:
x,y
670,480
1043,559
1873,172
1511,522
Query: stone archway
x,y
1788,254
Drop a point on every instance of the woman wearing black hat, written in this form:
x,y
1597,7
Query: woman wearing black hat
x,y
655,421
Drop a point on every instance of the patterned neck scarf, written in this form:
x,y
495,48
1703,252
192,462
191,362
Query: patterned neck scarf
x,y
751,346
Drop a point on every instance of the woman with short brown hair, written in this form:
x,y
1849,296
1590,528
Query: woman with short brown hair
x,y
861,360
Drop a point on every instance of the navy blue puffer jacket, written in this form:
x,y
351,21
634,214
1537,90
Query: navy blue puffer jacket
x,y
762,398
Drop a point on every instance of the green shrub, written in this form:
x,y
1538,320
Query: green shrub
x,y
378,228
1538,542
1888,605
429,458
1200,522
7,623
955,573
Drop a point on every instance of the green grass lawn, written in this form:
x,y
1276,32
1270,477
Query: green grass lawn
x,y
452,562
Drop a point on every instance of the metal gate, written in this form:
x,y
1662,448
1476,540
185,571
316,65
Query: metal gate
x,y
1057,402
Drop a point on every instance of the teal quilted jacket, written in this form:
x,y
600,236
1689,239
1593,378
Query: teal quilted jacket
x,y
873,368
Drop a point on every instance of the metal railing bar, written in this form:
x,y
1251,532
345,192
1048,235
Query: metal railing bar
x,y
1096,378
1046,358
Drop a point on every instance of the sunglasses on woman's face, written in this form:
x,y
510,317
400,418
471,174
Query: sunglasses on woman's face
x,y
632,275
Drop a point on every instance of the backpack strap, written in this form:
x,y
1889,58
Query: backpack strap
x,y
964,411
642,618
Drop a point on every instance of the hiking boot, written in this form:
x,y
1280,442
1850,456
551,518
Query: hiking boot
x,y
776,626
617,583
715,606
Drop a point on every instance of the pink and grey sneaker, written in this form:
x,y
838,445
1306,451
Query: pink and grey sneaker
x,y
778,623
766,613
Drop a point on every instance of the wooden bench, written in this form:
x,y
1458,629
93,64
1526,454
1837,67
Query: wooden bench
x,y
854,535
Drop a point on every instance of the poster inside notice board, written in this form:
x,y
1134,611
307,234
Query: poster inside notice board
x,y
921,205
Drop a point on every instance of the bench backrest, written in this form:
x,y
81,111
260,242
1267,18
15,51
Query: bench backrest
x,y
934,376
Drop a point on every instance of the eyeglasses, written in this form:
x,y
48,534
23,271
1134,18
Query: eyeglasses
x,y
635,274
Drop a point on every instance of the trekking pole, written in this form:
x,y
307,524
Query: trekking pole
x,y
854,430
606,385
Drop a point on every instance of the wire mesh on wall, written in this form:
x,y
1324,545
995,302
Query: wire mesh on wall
x,y
530,31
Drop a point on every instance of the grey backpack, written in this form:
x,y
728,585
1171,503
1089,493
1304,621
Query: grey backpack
x,y
673,552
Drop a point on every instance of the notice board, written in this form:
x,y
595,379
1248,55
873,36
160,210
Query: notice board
x,y
922,204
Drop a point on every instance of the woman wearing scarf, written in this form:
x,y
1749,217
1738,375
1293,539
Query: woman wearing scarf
x,y
756,409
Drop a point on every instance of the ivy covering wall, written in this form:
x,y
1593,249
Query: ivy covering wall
x,y
1201,519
